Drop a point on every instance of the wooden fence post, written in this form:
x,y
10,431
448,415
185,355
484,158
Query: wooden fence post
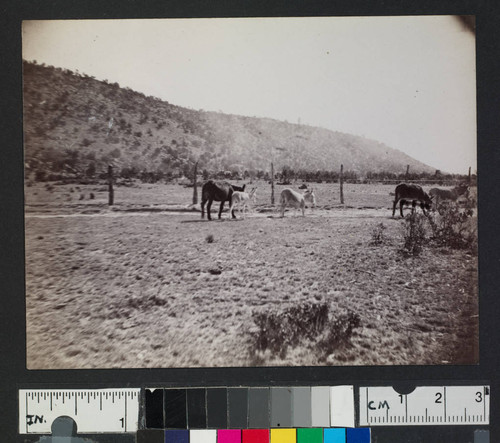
x,y
407,172
195,184
469,176
342,184
111,196
272,183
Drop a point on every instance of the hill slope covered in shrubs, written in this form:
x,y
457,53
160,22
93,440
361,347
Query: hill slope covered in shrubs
x,y
75,125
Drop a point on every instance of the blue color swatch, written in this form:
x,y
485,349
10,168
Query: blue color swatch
x,y
176,436
358,435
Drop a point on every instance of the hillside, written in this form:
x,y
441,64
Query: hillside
x,y
77,125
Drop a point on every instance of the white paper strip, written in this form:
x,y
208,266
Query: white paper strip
x,y
342,406
203,436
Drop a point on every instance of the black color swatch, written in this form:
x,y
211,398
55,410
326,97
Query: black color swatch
x,y
196,407
217,408
150,436
154,409
175,409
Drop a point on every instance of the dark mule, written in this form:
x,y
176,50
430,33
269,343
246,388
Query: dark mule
x,y
449,194
406,193
220,192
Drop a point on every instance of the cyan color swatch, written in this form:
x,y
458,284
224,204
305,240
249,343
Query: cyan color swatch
x,y
334,435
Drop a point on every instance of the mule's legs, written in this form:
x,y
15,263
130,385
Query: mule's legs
x,y
232,212
422,205
413,206
221,208
401,204
303,207
394,207
203,208
209,205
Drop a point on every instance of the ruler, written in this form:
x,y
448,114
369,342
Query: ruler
x,y
94,410
426,405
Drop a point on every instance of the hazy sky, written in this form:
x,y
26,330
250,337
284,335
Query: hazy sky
x,y
408,82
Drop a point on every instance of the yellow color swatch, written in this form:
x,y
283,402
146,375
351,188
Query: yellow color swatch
x,y
283,436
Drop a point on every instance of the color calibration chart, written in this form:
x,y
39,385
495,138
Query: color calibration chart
x,y
256,415
316,414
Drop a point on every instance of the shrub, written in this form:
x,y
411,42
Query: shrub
x,y
378,236
40,175
86,142
414,234
209,238
454,226
276,330
339,331
309,323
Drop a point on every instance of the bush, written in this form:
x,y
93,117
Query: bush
x,y
86,142
339,331
414,234
278,330
378,236
454,226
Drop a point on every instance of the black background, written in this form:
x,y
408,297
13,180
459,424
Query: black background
x,y
13,372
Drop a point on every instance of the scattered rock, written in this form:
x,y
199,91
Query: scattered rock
x,y
215,271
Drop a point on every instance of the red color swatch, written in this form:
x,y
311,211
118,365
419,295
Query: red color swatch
x,y
255,436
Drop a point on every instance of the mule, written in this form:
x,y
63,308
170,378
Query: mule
x,y
296,200
242,199
406,193
219,191
449,194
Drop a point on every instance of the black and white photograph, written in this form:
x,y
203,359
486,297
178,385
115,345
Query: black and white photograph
x,y
250,192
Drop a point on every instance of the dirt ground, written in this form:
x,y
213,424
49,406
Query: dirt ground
x,y
149,284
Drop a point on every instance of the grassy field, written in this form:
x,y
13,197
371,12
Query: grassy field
x,y
149,284
47,197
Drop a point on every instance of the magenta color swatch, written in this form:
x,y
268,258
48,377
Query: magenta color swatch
x,y
229,436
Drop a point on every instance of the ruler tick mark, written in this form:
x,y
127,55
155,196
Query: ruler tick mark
x,y
444,403
26,412
125,412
